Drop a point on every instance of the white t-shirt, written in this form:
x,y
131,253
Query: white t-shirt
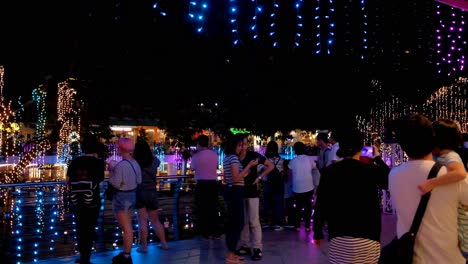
x,y
302,167
332,154
436,241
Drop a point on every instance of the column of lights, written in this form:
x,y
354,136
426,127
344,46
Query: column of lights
x,y
2,73
17,222
331,25
364,33
274,20
449,42
2,83
118,233
254,26
318,36
299,23
8,126
198,11
449,102
233,21
383,111
56,206
39,222
39,96
68,116
18,142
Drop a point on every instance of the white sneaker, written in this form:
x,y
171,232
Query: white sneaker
x,y
277,228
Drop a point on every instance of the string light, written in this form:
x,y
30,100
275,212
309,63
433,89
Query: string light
x,y
157,7
299,24
331,25
9,128
447,102
16,174
2,73
198,11
274,19
39,96
364,33
68,114
318,35
17,217
233,21
254,27
449,41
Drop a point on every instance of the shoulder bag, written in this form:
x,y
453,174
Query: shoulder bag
x,y
111,190
401,250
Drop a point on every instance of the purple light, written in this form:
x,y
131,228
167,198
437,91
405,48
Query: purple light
x,y
449,46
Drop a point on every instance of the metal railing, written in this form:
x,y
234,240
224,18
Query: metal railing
x,y
36,222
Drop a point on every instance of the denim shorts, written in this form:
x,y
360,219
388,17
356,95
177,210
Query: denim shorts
x,y
123,201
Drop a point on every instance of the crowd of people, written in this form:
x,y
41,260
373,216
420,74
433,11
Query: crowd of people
x,y
133,178
267,191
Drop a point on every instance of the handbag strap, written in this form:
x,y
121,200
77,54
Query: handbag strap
x,y
136,174
423,202
277,161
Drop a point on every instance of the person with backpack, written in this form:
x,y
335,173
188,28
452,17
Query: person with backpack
x,y
84,175
273,189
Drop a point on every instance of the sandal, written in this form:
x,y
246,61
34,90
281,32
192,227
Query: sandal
x,y
141,250
163,247
234,261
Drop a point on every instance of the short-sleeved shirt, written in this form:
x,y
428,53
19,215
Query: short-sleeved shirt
x,y
251,190
437,238
126,175
205,164
227,162
84,175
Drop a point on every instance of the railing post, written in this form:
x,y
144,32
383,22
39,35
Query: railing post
x,y
175,213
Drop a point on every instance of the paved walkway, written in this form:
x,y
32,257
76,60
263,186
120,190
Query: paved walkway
x,y
280,247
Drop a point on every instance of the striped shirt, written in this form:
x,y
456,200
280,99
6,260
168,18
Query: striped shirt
x,y
463,227
352,250
228,161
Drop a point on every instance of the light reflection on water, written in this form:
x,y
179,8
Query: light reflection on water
x,y
36,222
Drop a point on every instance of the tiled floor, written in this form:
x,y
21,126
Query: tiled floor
x,y
280,247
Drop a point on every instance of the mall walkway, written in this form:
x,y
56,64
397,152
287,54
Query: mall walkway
x,y
280,247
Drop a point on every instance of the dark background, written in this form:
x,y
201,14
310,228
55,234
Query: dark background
x,y
127,53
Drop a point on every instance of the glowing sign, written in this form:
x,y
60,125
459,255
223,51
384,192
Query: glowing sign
x,y
239,131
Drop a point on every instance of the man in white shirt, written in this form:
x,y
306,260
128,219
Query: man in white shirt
x,y
436,240
332,157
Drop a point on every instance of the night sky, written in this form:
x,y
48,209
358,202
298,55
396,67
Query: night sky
x,y
160,61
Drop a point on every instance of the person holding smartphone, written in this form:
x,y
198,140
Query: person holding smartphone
x,y
250,242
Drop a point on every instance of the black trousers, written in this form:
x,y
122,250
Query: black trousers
x,y
207,205
86,221
303,201
234,199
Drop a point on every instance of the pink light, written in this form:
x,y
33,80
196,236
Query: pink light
x,y
461,4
